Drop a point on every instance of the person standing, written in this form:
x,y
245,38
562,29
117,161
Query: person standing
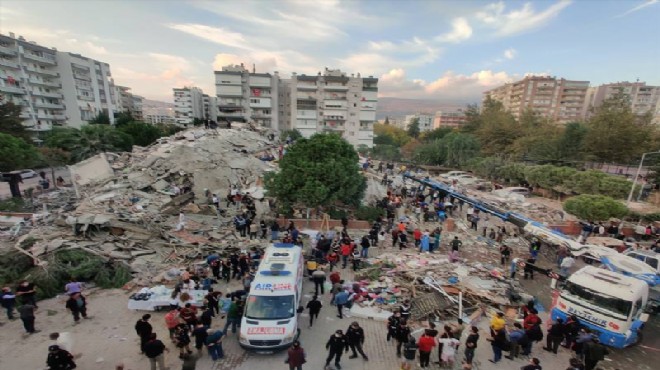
x,y
498,342
449,346
214,344
529,268
59,359
296,356
425,345
8,302
200,334
182,339
172,320
402,333
505,254
336,345
27,293
471,344
154,350
555,336
144,330
456,244
314,307
392,325
318,276
340,300
73,287
405,310
233,318
518,339
355,338
26,312
593,353
409,353
77,304
566,265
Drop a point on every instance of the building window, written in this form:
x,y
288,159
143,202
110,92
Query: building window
x,y
354,105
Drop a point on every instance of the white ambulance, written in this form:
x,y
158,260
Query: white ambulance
x,y
270,320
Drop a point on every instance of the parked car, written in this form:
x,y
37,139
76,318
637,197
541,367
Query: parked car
x,y
649,257
28,174
518,190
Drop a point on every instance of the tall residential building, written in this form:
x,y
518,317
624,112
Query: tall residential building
x,y
643,98
331,101
449,117
210,107
247,96
128,102
560,100
425,121
188,105
29,77
87,87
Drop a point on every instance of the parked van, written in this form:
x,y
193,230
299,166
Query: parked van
x,y
270,320
651,258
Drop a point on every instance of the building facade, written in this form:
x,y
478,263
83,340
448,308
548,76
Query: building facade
x,y
643,98
87,88
29,77
449,117
246,96
210,107
188,105
425,121
559,100
333,102
129,102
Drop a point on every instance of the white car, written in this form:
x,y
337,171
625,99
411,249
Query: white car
x,y
517,190
28,174
452,174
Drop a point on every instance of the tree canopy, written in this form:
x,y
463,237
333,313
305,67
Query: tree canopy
x,y
89,140
413,128
319,171
15,153
10,121
595,207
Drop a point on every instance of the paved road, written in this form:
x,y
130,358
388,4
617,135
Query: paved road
x,y
34,182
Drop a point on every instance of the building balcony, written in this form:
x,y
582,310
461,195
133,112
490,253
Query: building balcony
x,y
369,88
306,86
8,63
25,115
49,105
47,94
41,71
40,59
12,89
7,51
40,127
336,87
59,117
83,77
35,81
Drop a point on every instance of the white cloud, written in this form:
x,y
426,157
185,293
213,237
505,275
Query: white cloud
x,y
449,87
518,20
382,56
214,34
638,7
461,31
510,53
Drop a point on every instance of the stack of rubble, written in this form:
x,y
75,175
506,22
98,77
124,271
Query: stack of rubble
x,y
151,208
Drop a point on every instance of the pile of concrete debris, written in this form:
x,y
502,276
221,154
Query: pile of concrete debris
x,y
152,208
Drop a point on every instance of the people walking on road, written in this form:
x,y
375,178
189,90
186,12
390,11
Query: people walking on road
x,y
498,343
355,337
401,336
214,344
318,277
555,335
172,320
314,307
144,330
182,339
154,350
409,353
518,339
296,356
471,344
59,359
26,313
233,318
341,299
200,334
425,345
449,346
392,325
77,304
336,345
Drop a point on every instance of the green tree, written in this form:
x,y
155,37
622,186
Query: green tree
x,y
89,141
386,152
293,134
387,120
11,122
571,141
168,129
398,136
124,118
15,153
438,133
473,119
143,134
100,119
319,171
54,157
413,128
497,130
461,148
595,207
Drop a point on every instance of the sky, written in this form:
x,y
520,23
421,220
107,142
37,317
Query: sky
x,y
449,51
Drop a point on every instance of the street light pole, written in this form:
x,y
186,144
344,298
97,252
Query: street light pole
x,y
639,169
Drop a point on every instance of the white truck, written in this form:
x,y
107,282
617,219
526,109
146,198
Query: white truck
x,y
270,320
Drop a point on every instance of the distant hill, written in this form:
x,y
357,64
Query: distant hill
x,y
156,104
398,107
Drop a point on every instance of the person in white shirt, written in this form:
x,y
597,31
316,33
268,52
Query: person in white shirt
x,y
448,350
565,265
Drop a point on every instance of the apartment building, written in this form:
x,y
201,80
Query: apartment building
x,y
425,121
247,96
643,98
331,101
210,107
560,100
449,117
29,77
188,105
87,88
129,102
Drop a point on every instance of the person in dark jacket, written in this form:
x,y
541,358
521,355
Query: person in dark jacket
x,y
593,352
314,307
392,325
200,334
401,336
471,344
409,353
26,313
296,356
555,336
8,302
355,337
534,334
336,345
59,359
571,330
77,304
144,329
498,342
